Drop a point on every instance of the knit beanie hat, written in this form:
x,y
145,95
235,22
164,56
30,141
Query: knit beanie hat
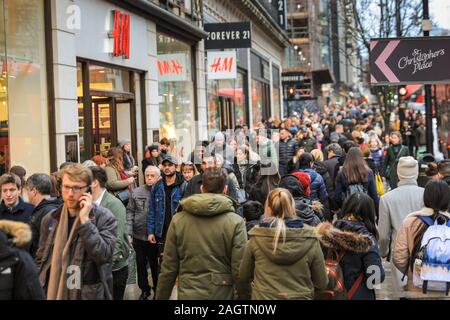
x,y
407,168
305,181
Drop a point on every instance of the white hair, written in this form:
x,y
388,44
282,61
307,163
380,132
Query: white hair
x,y
153,168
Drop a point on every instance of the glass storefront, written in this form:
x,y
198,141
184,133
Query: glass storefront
x,y
260,90
176,94
227,103
24,136
276,92
109,113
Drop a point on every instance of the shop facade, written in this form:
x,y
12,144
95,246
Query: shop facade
x,y
121,74
254,95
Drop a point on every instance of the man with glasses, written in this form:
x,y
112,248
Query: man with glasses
x,y
77,242
164,198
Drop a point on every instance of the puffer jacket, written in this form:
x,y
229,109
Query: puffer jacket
x,y
318,187
403,250
361,254
157,205
19,279
92,251
286,150
204,248
295,271
137,209
377,156
303,206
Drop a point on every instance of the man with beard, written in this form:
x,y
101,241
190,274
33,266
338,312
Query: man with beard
x,y
164,199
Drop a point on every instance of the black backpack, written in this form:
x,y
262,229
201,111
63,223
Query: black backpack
x,y
353,188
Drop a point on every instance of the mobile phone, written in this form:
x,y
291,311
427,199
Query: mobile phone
x,y
89,190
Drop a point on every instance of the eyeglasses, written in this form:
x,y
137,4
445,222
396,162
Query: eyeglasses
x,y
75,189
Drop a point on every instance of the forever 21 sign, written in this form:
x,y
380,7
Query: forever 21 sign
x,y
228,35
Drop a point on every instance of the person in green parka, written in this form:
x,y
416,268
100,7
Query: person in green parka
x,y
204,245
283,258
393,154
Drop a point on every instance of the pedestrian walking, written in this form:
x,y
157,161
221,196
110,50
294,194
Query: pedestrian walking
x,y
356,246
204,245
393,155
78,236
39,188
19,279
409,254
146,252
119,183
394,207
12,206
282,258
122,248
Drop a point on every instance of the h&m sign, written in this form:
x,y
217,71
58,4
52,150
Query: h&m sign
x,y
172,67
222,65
228,35
120,34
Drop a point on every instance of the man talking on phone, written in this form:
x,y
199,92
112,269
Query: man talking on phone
x,y
77,243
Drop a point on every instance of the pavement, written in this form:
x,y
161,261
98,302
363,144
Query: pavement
x,y
132,291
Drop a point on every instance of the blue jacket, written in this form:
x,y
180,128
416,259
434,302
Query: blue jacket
x,y
377,156
21,212
318,187
157,206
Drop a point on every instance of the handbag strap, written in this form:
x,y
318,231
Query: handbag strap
x,y
355,286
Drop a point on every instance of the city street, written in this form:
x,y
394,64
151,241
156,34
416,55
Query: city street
x,y
224,150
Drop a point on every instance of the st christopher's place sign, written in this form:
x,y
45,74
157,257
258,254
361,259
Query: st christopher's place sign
x,y
410,60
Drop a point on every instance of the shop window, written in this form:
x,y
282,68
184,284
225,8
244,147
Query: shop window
x,y
24,137
176,94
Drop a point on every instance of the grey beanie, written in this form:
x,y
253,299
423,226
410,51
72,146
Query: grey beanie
x,y
408,168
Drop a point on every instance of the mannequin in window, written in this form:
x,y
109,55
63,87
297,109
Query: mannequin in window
x,y
168,128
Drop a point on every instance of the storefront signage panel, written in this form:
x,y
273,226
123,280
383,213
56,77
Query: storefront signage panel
x,y
228,35
424,60
121,34
172,67
222,65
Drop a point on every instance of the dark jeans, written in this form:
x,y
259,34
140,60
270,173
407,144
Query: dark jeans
x,y
146,252
120,278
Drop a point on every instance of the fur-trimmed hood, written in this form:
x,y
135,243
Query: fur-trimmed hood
x,y
19,232
337,239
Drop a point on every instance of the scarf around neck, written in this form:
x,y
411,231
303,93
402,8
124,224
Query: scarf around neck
x,y
57,285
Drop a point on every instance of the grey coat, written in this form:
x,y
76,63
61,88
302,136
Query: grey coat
x,y
92,251
394,207
137,212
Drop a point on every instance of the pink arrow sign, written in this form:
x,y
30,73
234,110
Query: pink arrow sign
x,y
381,61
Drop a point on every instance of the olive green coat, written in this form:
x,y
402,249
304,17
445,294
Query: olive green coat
x,y
204,247
293,272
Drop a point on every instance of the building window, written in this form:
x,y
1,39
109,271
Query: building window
x,y
276,91
260,90
176,94
24,137
227,103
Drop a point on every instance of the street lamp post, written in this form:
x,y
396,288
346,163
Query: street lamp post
x,y
428,107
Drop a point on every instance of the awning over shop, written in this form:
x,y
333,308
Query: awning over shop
x,y
322,76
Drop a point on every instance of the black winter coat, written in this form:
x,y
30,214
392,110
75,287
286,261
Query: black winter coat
x,y
21,212
303,205
42,209
19,278
354,263
286,150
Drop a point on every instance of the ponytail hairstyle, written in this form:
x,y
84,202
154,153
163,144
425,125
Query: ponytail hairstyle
x,y
281,206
